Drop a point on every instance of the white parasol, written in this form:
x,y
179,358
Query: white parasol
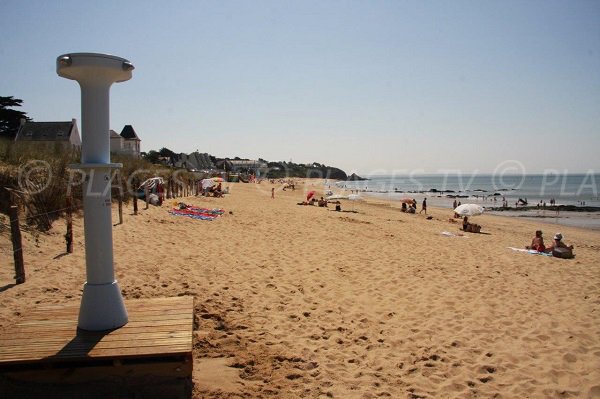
x,y
207,183
469,210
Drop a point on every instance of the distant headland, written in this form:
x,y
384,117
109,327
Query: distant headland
x,y
355,177
203,162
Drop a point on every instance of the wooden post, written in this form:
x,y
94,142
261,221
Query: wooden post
x,y
15,233
146,194
69,235
120,199
135,197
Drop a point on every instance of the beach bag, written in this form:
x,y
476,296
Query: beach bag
x,y
564,253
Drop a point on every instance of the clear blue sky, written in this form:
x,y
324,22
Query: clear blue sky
x,y
368,86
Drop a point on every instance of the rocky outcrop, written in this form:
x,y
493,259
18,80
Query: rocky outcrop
x,y
355,177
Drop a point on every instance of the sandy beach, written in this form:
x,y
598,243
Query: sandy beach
x,y
300,301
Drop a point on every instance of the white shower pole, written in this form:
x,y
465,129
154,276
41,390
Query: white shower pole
x,y
102,306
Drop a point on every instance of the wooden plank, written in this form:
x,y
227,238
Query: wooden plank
x,y
97,355
107,354
158,327
135,316
156,319
45,326
70,332
32,342
168,348
180,314
133,303
181,303
116,351
63,313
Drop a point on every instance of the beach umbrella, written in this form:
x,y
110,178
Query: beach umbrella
x,y
469,210
207,183
407,200
310,195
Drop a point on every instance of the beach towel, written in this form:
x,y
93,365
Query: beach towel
x,y
530,251
449,234
197,213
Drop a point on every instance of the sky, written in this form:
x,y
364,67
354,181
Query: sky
x,y
374,87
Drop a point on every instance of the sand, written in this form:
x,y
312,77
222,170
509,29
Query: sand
x,y
300,301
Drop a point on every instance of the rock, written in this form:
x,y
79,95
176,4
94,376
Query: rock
x,y
355,177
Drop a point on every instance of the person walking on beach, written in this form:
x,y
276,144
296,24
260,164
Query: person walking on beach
x,y
273,192
424,206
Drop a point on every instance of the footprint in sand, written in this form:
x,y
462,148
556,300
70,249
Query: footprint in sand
x,y
594,392
570,358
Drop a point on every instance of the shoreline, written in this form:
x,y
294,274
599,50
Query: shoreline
x,y
579,219
582,217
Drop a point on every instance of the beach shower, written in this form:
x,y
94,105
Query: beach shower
x,y
102,306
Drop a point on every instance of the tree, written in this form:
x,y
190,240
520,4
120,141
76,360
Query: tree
x,y
10,119
151,156
165,152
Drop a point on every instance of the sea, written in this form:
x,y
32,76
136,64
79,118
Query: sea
x,y
490,189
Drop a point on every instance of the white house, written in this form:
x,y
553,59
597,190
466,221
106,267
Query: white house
x,y
127,142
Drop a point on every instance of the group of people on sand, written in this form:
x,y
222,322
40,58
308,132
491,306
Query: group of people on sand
x,y
322,203
215,191
409,209
557,248
412,207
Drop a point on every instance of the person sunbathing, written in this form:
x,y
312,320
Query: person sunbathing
x,y
218,191
470,227
559,249
537,244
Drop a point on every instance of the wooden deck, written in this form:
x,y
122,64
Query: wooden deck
x,y
157,340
